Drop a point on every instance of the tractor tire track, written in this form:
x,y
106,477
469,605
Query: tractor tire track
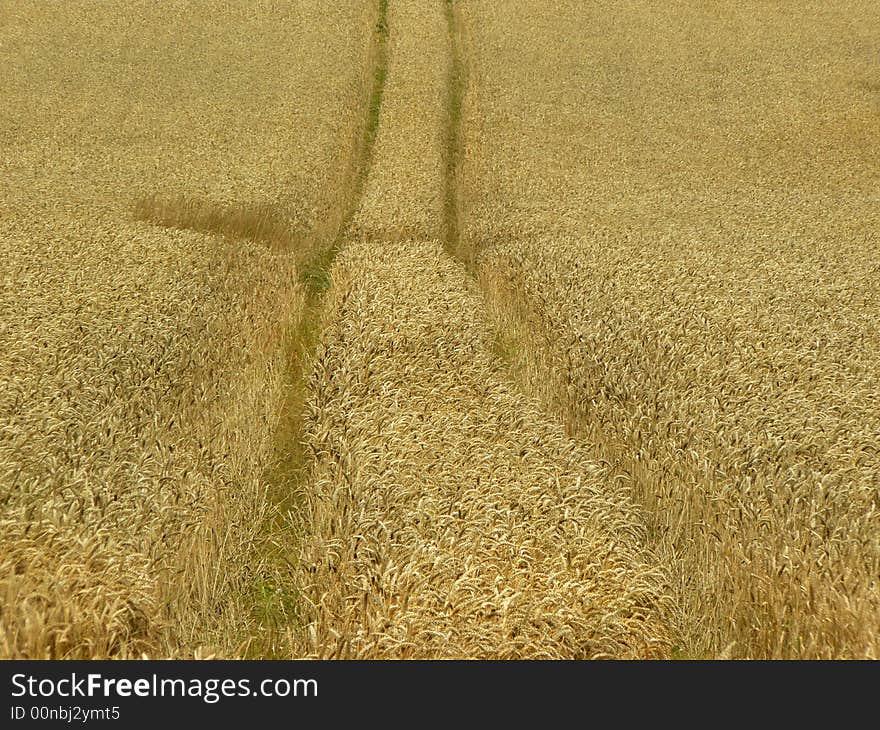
x,y
447,517
290,475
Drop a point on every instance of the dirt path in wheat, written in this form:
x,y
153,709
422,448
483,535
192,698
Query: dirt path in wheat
x,y
447,516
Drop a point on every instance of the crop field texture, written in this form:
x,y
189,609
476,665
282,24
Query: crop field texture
x,y
673,210
162,168
440,329
447,517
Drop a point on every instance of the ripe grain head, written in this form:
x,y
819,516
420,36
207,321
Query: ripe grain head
x,y
449,518
141,366
684,252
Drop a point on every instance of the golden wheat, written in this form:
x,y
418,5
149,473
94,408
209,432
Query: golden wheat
x,y
406,197
141,368
665,218
447,517
674,216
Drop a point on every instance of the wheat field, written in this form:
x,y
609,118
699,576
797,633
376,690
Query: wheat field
x,y
439,329
686,274
159,162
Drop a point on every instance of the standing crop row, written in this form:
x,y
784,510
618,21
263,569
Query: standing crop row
x,y
672,216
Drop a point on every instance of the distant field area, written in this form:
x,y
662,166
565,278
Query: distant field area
x,y
440,329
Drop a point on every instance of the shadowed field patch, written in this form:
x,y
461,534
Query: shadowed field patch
x,y
256,222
